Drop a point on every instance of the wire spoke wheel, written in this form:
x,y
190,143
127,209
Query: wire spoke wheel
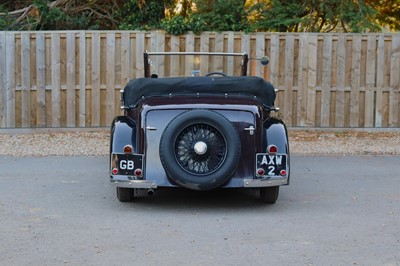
x,y
200,149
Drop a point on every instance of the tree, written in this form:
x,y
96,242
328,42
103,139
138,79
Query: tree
x,y
209,15
143,15
60,14
317,16
388,14
180,16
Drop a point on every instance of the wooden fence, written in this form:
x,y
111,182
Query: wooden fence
x,y
73,78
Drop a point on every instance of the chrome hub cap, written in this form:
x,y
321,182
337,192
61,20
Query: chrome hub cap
x,y
200,148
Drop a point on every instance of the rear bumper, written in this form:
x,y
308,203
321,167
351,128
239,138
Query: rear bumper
x,y
265,182
235,183
145,184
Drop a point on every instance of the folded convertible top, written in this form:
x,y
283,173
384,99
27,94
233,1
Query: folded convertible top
x,y
253,87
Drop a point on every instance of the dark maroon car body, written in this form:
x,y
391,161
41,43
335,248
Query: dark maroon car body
x,y
200,133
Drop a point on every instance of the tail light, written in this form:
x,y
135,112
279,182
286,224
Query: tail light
x,y
128,149
138,172
272,149
260,172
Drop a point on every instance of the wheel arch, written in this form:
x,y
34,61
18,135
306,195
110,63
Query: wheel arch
x,y
275,132
123,132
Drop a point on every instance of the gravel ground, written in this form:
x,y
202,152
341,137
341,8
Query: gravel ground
x,y
96,143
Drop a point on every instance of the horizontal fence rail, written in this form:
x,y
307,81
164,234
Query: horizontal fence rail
x,y
73,78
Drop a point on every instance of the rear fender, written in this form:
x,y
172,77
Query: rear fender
x,y
123,132
275,132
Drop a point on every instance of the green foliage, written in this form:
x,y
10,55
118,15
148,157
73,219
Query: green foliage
x,y
135,16
180,16
49,18
317,16
177,25
56,19
221,15
279,16
358,17
388,13
6,21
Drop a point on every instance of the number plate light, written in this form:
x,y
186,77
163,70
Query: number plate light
x,y
128,149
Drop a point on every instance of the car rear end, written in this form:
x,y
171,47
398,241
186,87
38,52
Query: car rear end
x,y
199,141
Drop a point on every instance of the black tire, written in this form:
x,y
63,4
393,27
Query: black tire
x,y
125,194
269,194
195,168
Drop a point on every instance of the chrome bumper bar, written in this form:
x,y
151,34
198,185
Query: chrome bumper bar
x,y
135,184
265,182
247,183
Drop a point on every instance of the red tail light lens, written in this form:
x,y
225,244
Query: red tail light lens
x,y
283,172
115,171
138,172
260,172
272,149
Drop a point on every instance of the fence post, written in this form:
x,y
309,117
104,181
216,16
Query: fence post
x,y
3,109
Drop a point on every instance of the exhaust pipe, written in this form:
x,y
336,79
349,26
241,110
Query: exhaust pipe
x,y
150,192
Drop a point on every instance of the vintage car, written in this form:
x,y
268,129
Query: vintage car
x,y
199,132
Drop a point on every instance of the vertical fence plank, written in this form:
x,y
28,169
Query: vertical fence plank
x,y
95,79
219,47
340,81
380,80
82,78
246,49
204,47
189,60
55,79
312,79
71,106
158,45
40,80
326,80
140,49
288,90
10,79
260,52
394,82
274,60
370,81
110,77
25,79
175,59
3,98
303,80
230,49
125,58
355,81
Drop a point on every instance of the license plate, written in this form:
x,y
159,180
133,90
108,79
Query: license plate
x,y
126,164
273,165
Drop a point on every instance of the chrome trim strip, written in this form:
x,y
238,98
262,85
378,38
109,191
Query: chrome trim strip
x,y
265,182
151,128
196,53
135,184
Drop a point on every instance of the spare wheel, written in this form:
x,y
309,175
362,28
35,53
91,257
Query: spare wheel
x,y
200,150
